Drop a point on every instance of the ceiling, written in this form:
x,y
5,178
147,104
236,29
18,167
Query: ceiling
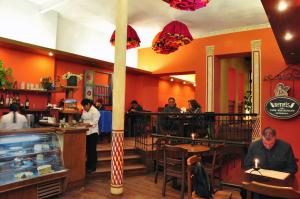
x,y
287,21
149,16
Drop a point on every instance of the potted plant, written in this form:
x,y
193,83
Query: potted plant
x,y
6,79
248,102
47,83
72,78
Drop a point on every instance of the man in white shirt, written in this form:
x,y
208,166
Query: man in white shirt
x,y
13,119
91,115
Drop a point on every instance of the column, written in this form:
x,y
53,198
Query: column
x,y
256,76
210,78
256,84
119,76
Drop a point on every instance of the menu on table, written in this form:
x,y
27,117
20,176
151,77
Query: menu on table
x,y
269,173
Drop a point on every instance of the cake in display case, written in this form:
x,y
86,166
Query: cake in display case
x,y
29,155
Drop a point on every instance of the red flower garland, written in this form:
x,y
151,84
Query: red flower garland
x,y
133,39
189,5
174,35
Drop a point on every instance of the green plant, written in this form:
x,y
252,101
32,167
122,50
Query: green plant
x,y
47,83
248,102
6,79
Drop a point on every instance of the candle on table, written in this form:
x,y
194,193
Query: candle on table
x,y
193,136
256,161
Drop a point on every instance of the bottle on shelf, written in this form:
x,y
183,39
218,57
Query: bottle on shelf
x,y
14,99
18,99
6,99
2,100
10,100
27,103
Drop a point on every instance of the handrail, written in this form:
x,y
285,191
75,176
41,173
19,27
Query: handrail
x,y
204,113
199,139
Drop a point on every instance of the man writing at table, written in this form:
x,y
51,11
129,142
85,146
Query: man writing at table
x,y
272,153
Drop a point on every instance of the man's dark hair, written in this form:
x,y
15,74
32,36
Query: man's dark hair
x,y
86,101
134,102
14,107
194,104
269,133
171,98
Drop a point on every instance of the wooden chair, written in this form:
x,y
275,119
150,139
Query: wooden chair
x,y
174,166
270,190
213,162
159,156
191,162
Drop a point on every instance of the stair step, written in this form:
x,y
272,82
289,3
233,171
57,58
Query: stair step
x,y
100,148
107,152
126,168
130,170
128,160
126,157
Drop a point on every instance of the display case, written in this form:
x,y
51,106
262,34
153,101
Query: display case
x,y
24,156
29,160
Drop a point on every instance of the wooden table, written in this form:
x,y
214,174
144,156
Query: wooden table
x,y
197,148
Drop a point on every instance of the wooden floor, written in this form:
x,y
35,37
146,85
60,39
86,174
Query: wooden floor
x,y
137,187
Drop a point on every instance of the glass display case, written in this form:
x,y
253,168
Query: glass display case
x,y
29,155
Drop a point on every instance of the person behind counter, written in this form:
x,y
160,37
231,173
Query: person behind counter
x,y
99,104
13,119
90,115
272,153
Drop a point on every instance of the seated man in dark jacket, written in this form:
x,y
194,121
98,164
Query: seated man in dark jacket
x,y
272,153
170,123
135,107
136,122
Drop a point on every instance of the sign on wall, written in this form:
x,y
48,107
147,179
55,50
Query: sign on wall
x,y
89,84
282,106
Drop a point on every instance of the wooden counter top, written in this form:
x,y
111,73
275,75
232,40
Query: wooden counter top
x,y
44,130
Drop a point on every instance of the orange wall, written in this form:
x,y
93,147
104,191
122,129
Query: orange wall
x,y
181,93
30,68
27,67
144,89
192,57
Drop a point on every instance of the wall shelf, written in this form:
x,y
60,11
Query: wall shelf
x,y
25,91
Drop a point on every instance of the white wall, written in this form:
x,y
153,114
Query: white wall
x,y
79,39
21,20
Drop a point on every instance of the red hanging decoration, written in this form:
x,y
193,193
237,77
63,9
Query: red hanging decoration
x,y
174,35
133,39
188,5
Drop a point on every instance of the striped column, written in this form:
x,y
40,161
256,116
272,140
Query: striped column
x,y
119,76
210,78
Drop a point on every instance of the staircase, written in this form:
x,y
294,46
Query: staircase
x,y
133,163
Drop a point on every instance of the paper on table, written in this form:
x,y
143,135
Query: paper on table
x,y
269,173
